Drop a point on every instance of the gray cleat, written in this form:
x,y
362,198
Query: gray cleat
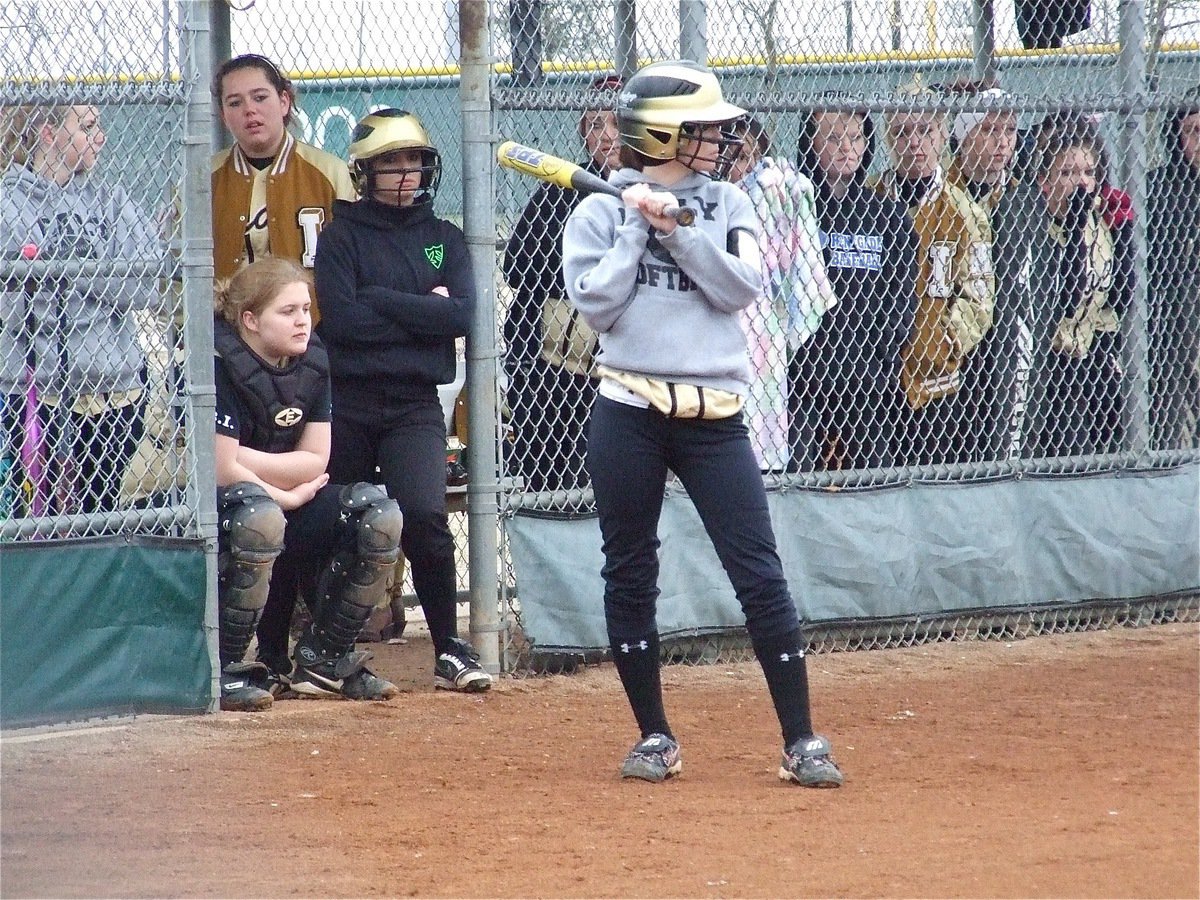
x,y
654,758
807,762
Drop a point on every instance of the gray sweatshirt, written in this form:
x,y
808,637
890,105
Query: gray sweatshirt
x,y
85,340
667,306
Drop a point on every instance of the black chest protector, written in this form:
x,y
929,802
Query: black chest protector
x,y
279,400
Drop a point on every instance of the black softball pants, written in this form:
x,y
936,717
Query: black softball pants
x,y
629,453
313,535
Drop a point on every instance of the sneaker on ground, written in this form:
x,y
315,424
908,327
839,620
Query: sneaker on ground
x,y
457,669
242,687
278,679
807,762
346,677
366,685
654,758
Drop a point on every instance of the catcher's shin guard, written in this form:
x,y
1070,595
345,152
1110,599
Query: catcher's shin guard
x,y
356,580
252,525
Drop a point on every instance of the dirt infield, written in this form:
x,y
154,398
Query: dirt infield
x,y
1063,766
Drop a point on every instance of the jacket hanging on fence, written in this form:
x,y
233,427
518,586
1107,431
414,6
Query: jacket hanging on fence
x,y
1043,24
796,296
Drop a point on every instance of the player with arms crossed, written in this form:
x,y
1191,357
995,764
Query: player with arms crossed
x,y
665,301
272,447
397,287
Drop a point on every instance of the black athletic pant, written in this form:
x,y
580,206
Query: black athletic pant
x,y
86,456
314,534
406,439
629,453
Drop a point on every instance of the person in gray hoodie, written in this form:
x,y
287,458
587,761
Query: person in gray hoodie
x,y
69,343
665,300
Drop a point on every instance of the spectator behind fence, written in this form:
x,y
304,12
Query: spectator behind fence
x,y
1080,285
272,194
1174,238
674,371
71,368
796,290
550,355
846,397
984,141
398,289
955,285
275,503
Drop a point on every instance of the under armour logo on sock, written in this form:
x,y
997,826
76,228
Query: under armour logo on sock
x,y
788,657
640,645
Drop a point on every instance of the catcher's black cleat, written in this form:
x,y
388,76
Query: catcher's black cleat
x,y
347,676
243,687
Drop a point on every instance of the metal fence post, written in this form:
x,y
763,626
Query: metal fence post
x,y
525,35
625,39
220,42
1131,142
480,231
693,30
199,392
983,43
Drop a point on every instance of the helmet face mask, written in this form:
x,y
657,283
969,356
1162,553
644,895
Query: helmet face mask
x,y
728,142
380,136
666,102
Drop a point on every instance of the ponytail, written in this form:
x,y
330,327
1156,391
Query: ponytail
x,y
21,129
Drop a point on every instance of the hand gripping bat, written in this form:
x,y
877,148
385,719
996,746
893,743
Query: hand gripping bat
x,y
554,170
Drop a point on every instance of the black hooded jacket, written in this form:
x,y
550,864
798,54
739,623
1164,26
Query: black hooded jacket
x,y
533,267
385,329
850,367
1174,200
1174,286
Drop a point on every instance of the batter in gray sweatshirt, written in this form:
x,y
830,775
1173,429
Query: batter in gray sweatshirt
x,y
666,305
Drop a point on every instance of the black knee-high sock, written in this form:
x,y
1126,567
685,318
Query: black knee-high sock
x,y
638,666
786,671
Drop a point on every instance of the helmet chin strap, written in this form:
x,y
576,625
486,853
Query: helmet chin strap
x,y
693,156
726,153
379,195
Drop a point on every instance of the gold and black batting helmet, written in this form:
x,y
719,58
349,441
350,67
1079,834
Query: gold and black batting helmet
x,y
384,132
663,98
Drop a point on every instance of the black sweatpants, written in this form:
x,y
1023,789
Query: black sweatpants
x,y
313,536
406,439
629,453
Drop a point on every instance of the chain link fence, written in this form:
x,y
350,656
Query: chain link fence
x,y
944,302
346,60
963,316
93,418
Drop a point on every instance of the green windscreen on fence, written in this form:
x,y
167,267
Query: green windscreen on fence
x,y
96,627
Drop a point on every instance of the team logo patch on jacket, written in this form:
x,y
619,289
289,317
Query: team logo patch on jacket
x,y
853,251
288,417
435,254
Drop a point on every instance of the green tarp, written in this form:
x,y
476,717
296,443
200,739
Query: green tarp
x,y
909,550
101,626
